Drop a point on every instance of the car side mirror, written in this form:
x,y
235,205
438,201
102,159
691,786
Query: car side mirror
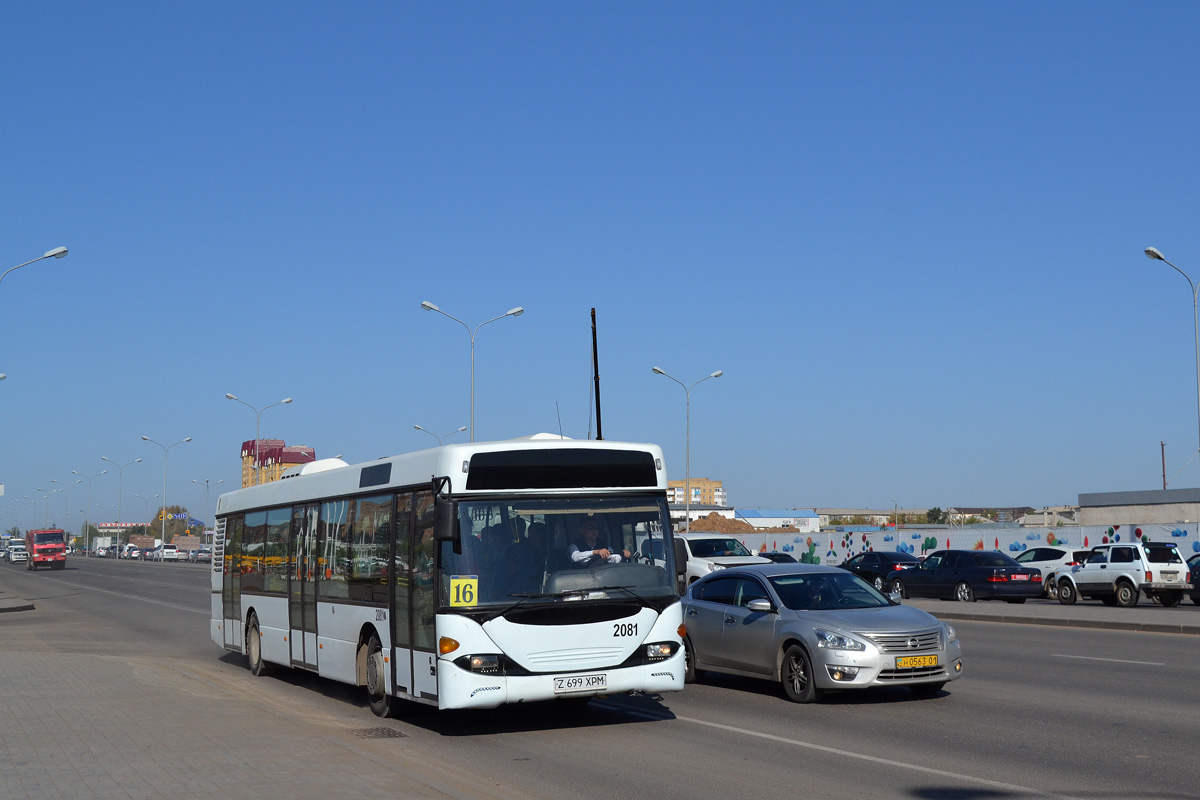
x,y
760,606
895,597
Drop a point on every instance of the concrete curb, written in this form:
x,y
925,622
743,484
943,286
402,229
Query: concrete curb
x,y
10,602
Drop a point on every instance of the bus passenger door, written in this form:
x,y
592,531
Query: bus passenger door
x,y
302,587
412,601
423,602
231,581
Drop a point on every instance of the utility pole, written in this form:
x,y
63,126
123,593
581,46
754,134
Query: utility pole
x,y
1163,446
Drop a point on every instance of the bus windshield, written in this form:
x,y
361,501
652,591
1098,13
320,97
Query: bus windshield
x,y
547,550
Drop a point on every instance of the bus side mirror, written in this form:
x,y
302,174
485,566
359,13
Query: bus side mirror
x,y
681,557
445,525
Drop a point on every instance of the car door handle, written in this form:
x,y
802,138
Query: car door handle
x,y
692,612
730,620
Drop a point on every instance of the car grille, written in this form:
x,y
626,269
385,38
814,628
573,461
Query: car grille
x,y
909,674
899,642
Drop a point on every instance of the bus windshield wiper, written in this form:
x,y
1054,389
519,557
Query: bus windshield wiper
x,y
628,590
579,594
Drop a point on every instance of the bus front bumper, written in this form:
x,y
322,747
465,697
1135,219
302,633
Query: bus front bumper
x,y
460,688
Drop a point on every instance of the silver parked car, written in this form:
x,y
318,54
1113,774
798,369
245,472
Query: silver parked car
x,y
813,628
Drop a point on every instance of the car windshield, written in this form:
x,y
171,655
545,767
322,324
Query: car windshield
x,y
825,591
48,538
710,548
546,550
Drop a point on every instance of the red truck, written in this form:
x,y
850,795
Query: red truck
x,y
46,547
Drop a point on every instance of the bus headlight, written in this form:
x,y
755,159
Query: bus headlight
x,y
660,651
489,664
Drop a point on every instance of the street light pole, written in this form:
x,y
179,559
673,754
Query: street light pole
x,y
120,488
257,419
440,438
1153,253
88,521
145,504
206,500
687,474
512,312
57,252
166,448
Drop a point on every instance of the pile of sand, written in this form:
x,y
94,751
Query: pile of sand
x,y
715,523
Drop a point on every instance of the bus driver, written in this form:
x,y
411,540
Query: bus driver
x,y
591,545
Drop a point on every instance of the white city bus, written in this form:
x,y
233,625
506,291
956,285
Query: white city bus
x,y
455,576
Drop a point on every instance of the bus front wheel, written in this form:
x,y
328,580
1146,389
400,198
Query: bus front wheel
x,y
381,703
254,646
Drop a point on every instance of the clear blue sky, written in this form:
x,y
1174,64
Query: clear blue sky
x,y
910,234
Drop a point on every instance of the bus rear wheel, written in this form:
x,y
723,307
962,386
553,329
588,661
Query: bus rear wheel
x,y
381,704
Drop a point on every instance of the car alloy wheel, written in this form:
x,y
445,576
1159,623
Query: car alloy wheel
x,y
796,675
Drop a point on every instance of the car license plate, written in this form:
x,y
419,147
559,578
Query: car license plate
x,y
1020,577
580,683
909,662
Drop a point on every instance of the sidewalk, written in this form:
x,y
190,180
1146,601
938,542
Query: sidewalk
x,y
1145,616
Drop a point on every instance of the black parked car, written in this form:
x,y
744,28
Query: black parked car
x,y
968,575
874,568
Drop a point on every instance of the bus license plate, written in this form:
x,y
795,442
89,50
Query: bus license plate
x,y
580,683
909,662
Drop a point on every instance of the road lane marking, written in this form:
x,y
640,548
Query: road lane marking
x,y
1008,787
1111,660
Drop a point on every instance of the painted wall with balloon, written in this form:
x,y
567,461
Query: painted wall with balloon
x,y
834,547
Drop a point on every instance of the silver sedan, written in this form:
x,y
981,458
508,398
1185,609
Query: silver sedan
x,y
813,629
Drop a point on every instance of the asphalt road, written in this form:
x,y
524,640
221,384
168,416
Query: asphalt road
x,y
115,671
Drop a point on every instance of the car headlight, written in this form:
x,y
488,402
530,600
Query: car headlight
x,y
713,567
832,640
951,636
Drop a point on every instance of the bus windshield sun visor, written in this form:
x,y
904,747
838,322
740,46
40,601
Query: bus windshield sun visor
x,y
561,469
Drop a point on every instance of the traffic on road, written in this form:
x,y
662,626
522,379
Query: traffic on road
x,y
972,738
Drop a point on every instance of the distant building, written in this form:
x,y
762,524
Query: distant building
x,y
704,492
802,520
963,514
274,456
1049,517
1163,506
867,516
